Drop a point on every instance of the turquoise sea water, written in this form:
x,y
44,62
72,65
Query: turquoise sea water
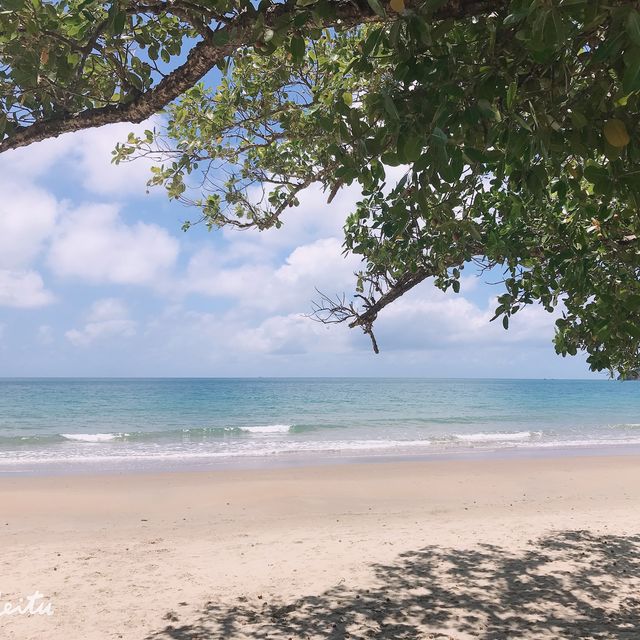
x,y
128,423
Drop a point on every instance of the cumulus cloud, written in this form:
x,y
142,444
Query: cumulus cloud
x,y
27,218
428,319
107,318
312,219
94,244
23,290
86,155
232,343
292,334
284,286
30,162
92,148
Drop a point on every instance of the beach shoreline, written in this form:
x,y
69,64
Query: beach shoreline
x,y
161,465
291,551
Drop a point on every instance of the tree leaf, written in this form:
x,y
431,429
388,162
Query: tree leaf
x,y
633,26
397,5
631,77
511,94
297,48
371,42
439,136
412,147
119,21
377,8
390,107
220,37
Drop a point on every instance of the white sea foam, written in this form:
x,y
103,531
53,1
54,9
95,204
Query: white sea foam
x,y
269,428
130,451
254,448
496,437
93,437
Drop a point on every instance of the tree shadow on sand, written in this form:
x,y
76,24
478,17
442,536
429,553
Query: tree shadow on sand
x,y
572,584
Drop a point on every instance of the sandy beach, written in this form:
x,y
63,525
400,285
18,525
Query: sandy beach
x,y
510,548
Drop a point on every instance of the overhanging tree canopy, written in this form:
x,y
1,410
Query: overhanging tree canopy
x,y
513,126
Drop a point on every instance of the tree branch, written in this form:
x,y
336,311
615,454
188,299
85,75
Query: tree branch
x,y
398,289
338,310
205,55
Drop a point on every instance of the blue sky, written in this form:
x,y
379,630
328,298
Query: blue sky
x,y
97,279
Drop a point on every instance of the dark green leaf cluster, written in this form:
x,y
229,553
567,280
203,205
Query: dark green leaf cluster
x,y
60,58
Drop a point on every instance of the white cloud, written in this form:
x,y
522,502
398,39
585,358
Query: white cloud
x,y
92,243
293,334
23,289
87,156
107,318
27,163
235,343
427,319
93,150
313,219
316,260
286,287
27,218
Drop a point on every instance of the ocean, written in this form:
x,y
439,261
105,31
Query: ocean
x,y
129,424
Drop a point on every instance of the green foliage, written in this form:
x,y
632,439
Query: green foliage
x,y
507,139
58,58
